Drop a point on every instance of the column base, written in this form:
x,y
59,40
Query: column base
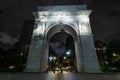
x,y
92,71
31,70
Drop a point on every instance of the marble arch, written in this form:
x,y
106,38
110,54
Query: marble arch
x,y
74,20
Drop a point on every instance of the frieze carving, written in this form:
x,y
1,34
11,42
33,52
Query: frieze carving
x,y
37,38
84,29
38,28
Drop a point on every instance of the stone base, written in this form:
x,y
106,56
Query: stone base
x,y
31,70
92,71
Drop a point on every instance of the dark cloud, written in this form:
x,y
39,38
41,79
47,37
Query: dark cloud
x,y
6,41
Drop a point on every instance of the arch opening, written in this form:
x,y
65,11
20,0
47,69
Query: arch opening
x,y
65,39
61,52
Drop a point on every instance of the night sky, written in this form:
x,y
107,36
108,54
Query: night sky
x,y
104,19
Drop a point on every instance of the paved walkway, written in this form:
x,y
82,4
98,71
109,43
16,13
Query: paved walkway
x,y
59,76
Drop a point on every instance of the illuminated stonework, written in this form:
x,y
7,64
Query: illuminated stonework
x,y
74,20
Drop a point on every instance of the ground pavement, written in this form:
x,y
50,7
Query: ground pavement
x,y
59,76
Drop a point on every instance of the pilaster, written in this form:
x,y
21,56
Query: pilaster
x,y
34,57
89,55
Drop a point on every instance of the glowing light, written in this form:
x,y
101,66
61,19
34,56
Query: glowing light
x,y
114,54
11,67
54,58
61,15
21,54
65,72
41,16
50,58
68,52
64,57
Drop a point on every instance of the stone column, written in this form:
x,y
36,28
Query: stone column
x,y
34,56
89,55
79,61
44,58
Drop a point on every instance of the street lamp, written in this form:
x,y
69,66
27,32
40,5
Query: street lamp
x,y
64,57
50,58
54,58
68,52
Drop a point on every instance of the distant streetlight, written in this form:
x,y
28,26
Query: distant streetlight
x,y
11,67
68,52
21,54
64,57
50,58
54,58
114,54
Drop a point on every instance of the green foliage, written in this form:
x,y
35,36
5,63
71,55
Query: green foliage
x,y
103,68
113,54
115,59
